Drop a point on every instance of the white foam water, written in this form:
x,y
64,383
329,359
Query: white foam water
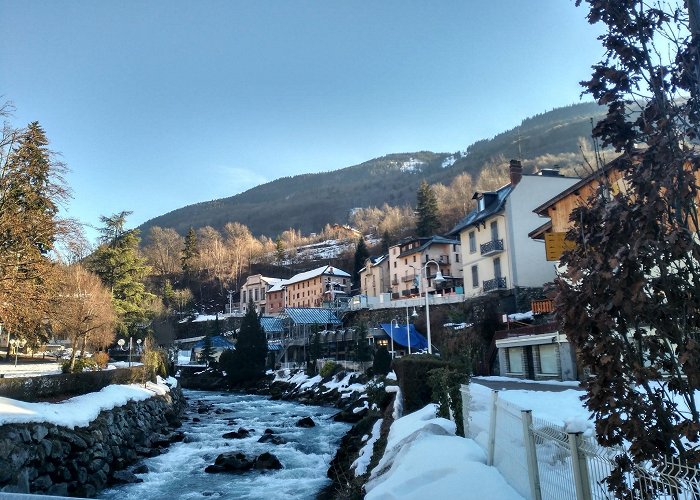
x,y
179,473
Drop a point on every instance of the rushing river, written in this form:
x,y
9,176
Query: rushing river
x,y
179,473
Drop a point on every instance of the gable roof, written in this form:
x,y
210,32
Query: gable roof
x,y
311,316
476,216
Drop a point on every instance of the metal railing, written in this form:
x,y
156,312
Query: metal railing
x,y
541,460
494,284
491,247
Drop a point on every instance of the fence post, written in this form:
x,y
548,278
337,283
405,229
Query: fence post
x,y
579,463
492,428
533,471
466,399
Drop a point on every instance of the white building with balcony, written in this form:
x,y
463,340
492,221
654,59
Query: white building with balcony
x,y
497,253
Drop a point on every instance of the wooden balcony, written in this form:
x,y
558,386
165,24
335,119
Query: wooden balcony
x,y
543,306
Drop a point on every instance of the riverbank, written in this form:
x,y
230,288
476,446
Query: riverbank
x,y
79,446
360,401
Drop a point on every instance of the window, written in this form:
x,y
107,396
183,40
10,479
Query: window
x,y
456,257
548,359
494,230
515,360
497,267
405,261
414,258
394,264
244,297
475,276
472,242
256,295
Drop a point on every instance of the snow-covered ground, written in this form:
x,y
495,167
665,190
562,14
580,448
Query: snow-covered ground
x,y
79,411
425,459
29,369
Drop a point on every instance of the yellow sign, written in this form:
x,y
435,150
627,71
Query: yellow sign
x,y
555,244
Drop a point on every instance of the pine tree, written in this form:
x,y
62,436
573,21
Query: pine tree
x,y
206,355
428,220
30,190
123,271
361,255
189,253
247,362
386,242
279,250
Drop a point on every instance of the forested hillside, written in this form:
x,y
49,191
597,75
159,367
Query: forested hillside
x,y
308,202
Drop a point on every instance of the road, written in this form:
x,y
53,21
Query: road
x,y
522,385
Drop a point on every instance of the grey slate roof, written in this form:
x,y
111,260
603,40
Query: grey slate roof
x,y
476,216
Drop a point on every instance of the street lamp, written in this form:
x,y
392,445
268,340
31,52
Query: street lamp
x,y
392,335
438,279
414,314
17,344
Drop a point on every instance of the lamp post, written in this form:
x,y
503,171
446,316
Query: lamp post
x,y
392,335
17,344
438,279
414,314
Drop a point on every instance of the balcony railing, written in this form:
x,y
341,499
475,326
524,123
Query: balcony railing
x,y
409,277
491,247
494,284
395,281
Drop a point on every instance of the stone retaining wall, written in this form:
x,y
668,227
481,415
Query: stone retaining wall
x,y
49,459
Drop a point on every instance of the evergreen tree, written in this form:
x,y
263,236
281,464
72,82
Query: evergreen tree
x,y
361,255
189,253
123,271
386,243
247,362
206,355
279,250
381,364
428,219
30,191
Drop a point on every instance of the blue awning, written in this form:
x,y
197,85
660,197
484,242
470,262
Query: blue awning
x,y
418,341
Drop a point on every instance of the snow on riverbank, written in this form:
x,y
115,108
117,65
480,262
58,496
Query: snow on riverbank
x,y
304,382
79,411
424,459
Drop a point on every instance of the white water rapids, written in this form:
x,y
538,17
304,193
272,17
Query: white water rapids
x,y
179,473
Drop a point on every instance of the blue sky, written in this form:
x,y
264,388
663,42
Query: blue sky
x,y
160,104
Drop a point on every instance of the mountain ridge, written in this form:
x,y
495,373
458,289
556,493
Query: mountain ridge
x,y
272,207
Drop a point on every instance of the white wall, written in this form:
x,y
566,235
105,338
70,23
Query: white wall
x,y
530,268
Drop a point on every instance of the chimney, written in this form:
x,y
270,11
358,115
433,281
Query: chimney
x,y
516,172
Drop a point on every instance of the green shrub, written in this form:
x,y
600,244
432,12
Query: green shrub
x,y
412,375
80,365
445,383
329,368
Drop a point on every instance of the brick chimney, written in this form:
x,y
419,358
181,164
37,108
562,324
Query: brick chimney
x,y
516,172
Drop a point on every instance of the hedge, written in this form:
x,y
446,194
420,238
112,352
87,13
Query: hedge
x,y
412,374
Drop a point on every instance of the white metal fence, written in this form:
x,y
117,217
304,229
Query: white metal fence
x,y
542,461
